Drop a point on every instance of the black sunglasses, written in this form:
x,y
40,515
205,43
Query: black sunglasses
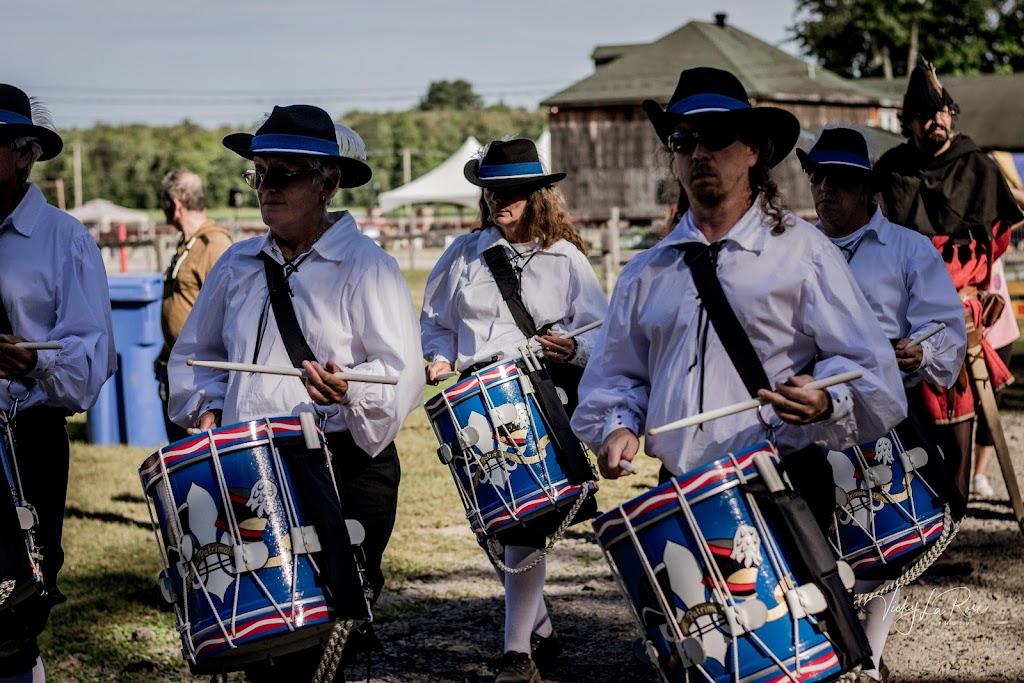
x,y
837,177
711,139
277,176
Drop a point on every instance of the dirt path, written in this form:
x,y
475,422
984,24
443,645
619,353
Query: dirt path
x,y
961,621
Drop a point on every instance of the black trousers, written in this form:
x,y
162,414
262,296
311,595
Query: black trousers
x,y
369,494
174,431
42,455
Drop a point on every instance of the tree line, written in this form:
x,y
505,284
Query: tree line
x,y
859,38
125,163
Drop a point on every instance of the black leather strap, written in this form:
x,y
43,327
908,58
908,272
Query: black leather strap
x,y
284,312
5,322
703,261
498,263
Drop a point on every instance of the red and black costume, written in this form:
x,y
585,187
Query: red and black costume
x,y
960,200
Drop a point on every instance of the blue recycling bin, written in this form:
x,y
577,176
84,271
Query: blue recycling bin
x,y
128,410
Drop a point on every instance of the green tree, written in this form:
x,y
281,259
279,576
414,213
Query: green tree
x,y
883,37
450,95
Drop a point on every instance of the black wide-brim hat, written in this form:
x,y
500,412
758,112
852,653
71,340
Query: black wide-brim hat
x,y
708,96
16,121
510,163
841,149
305,130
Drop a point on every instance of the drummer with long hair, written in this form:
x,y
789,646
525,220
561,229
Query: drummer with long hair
x,y
467,323
350,310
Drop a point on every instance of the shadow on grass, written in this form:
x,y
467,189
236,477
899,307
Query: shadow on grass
x,y
108,517
461,640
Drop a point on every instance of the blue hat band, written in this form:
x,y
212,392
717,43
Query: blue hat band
x,y
841,159
707,102
272,143
13,117
506,171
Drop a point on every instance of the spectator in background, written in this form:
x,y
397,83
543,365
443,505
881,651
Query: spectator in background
x,y
1001,335
201,244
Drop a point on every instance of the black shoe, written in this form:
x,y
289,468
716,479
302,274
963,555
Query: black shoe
x,y
545,651
361,640
517,667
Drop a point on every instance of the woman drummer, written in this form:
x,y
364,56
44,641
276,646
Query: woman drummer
x,y
351,305
466,322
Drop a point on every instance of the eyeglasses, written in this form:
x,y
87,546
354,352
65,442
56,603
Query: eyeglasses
x,y
711,139
278,176
837,178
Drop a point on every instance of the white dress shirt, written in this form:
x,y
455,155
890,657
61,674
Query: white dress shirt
x,y
54,287
910,292
797,301
465,319
353,307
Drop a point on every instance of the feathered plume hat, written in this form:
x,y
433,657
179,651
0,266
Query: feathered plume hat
x,y
19,116
305,130
925,94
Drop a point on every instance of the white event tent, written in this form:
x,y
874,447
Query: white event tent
x,y
446,183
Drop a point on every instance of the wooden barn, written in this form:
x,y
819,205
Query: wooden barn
x,y
601,137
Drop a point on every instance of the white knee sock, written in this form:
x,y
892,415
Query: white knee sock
x,y
879,614
38,674
542,625
524,597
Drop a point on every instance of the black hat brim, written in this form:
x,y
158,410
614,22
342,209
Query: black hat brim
x,y
779,125
50,142
472,169
354,172
870,175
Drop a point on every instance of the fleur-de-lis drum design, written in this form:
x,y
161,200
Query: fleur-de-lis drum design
x,y
495,440
239,558
885,508
710,588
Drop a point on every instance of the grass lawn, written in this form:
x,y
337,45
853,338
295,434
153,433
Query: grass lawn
x,y
115,625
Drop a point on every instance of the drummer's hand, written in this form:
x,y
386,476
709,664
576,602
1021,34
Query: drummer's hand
x,y
909,359
438,367
322,386
208,420
796,405
15,362
620,445
556,348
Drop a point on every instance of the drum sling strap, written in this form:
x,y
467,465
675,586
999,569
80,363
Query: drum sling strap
x,y
311,476
793,520
568,450
14,564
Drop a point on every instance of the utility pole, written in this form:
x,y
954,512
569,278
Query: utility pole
x,y
76,149
406,179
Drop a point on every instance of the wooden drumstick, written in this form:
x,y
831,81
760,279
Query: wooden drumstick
x,y
709,415
569,335
627,466
40,346
445,375
289,372
929,333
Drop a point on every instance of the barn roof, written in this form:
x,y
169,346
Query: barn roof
x,y
627,74
989,106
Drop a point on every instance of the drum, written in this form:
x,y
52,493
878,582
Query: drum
x,y
885,509
710,588
495,440
239,558
21,573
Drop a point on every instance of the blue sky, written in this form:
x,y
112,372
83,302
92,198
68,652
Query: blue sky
x,y
228,61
